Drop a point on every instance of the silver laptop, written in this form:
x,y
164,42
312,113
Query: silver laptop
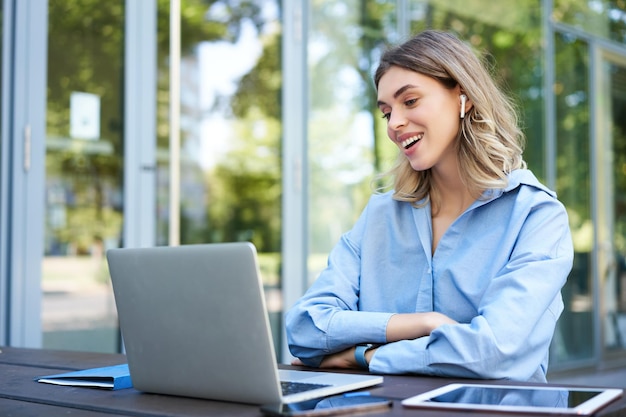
x,y
194,323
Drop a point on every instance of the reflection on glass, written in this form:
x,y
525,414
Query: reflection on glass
x,y
346,143
605,18
84,146
558,398
231,130
354,404
574,336
615,285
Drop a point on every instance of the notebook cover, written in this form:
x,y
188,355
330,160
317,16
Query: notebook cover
x,y
109,377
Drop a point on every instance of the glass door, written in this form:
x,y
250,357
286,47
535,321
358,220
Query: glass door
x,y
84,173
611,200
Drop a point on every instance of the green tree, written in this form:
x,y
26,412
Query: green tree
x,y
86,50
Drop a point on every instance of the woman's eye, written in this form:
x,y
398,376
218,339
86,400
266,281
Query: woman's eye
x,y
410,102
386,116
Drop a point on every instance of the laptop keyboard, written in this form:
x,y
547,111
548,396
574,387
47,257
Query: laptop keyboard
x,y
291,387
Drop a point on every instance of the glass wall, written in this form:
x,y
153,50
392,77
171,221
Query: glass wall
x,y
84,162
345,41
613,283
603,18
575,334
230,181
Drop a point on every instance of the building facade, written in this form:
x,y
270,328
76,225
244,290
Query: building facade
x,y
154,122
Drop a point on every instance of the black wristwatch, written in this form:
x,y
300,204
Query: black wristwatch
x,y
359,354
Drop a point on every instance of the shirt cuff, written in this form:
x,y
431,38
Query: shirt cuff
x,y
354,327
405,356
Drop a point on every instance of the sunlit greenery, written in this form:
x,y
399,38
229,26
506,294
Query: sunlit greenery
x,y
351,35
606,18
241,193
83,175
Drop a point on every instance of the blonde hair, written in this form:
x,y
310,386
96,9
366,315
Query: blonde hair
x,y
490,141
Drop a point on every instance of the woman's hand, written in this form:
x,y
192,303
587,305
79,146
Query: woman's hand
x,y
344,359
297,362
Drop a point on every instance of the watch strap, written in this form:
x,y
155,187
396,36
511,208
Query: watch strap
x,y
359,355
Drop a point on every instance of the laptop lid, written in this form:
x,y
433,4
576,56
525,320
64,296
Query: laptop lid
x,y
194,323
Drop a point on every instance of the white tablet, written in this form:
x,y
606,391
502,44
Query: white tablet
x,y
511,398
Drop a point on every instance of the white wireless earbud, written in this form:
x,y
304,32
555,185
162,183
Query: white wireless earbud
x,y
463,100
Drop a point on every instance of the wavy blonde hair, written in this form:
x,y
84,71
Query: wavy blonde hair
x,y
489,142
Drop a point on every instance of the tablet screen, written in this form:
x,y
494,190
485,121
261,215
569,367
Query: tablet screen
x,y
516,398
559,398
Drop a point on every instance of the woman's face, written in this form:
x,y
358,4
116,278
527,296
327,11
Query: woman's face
x,y
423,117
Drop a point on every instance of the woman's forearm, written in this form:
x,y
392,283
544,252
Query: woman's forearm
x,y
413,325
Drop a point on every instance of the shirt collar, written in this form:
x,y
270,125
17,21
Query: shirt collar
x,y
515,179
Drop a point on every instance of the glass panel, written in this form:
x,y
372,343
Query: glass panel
x,y
84,148
230,130
615,285
509,36
345,40
605,18
574,336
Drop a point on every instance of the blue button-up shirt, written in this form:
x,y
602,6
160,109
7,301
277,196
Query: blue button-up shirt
x,y
497,271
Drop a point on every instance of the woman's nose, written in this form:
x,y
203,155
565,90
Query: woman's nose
x,y
397,119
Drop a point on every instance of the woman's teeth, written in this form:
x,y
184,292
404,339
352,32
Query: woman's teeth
x,y
407,143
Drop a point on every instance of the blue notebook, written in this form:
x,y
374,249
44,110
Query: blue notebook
x,y
109,377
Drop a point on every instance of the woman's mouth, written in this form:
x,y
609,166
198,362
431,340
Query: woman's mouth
x,y
408,142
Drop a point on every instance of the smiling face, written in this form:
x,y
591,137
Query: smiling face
x,y
422,117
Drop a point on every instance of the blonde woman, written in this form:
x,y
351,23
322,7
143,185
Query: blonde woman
x,y
458,270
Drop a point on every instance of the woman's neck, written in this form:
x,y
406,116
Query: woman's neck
x,y
450,196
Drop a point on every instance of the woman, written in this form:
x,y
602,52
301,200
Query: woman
x,y
456,272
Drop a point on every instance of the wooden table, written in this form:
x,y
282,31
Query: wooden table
x,y
21,395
